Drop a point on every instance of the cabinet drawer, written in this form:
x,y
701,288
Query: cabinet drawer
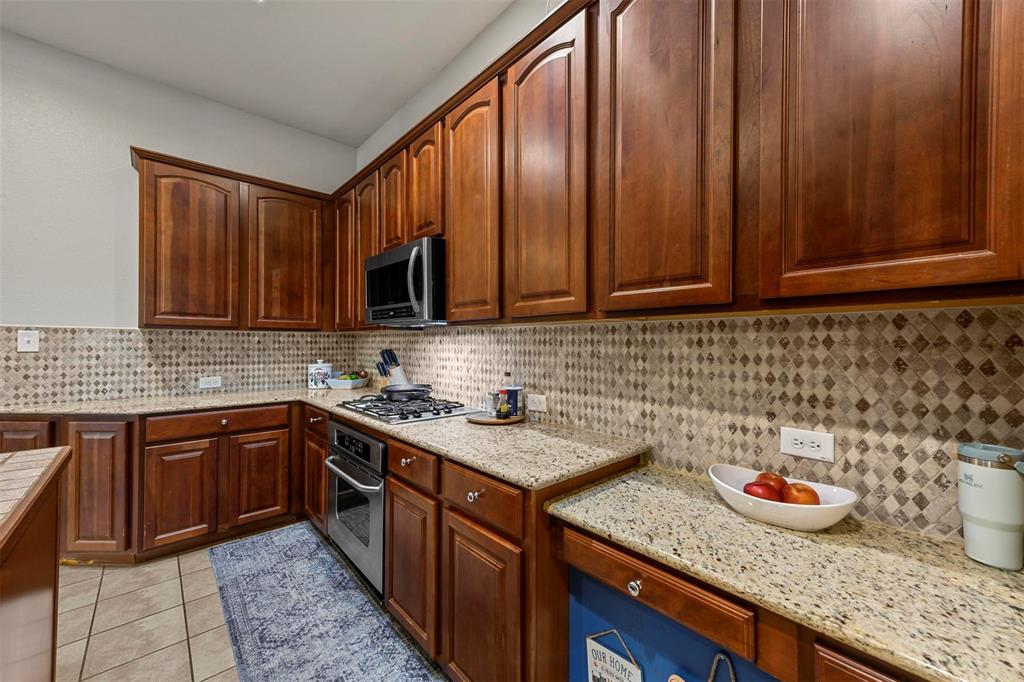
x,y
174,426
413,465
316,422
832,666
485,498
718,619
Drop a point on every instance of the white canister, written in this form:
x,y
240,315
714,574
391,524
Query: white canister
x,y
990,481
318,373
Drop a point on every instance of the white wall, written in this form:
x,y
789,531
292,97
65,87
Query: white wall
x,y
511,25
68,193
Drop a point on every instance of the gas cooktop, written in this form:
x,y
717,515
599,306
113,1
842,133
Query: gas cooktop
x,y
401,412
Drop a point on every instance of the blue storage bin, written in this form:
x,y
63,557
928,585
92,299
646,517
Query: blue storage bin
x,y
660,645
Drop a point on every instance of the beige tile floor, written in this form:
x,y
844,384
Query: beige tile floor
x,y
158,620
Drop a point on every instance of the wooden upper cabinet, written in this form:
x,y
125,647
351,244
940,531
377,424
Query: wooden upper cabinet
x,y
96,496
663,205
344,260
188,272
545,128
393,178
367,240
257,485
472,195
284,260
891,155
180,500
426,191
15,436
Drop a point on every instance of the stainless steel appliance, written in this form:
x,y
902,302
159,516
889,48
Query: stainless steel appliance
x,y
355,499
396,411
405,285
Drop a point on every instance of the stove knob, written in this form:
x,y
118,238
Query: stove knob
x,y
403,416
435,411
447,410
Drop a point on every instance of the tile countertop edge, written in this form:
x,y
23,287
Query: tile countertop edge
x,y
12,519
859,638
592,450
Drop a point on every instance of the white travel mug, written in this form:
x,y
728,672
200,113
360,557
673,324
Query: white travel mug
x,y
990,481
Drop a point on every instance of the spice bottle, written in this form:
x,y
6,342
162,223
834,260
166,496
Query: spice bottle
x,y
503,411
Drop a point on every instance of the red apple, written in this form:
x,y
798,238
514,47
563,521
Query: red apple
x,y
800,493
766,491
772,479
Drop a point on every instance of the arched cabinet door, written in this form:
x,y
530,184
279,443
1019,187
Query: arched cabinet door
x,y
188,274
367,240
393,215
664,157
425,188
284,260
545,219
472,192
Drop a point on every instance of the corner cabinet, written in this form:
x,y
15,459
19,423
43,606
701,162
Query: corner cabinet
x,y
95,506
188,248
284,260
545,188
891,145
426,191
664,156
472,212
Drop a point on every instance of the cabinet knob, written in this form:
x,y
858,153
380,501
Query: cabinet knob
x,y
406,461
474,496
223,422
634,587
314,420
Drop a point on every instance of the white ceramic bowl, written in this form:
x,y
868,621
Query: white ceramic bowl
x,y
836,502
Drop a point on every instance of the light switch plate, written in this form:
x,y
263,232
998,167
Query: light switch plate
x,y
209,382
28,341
819,445
536,402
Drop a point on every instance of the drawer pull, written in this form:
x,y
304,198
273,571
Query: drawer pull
x,y
223,422
474,496
406,461
634,587
314,420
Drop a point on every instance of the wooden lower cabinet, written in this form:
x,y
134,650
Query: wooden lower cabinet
x,y
482,597
180,500
411,568
314,488
257,483
19,435
96,493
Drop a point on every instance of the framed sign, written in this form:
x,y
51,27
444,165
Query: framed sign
x,y
604,665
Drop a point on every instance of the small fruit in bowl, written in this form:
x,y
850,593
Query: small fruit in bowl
x,y
773,479
800,493
763,490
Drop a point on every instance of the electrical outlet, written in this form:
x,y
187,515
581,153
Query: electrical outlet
x,y
536,402
209,382
28,341
818,445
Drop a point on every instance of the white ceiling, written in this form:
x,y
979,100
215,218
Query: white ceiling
x,y
337,68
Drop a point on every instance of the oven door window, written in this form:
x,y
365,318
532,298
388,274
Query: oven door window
x,y
387,285
355,498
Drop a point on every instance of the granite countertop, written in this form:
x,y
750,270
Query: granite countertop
x,y
531,455
22,476
914,601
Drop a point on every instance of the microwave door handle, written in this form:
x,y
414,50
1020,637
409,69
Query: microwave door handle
x,y
408,279
351,481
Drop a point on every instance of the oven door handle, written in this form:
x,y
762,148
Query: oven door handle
x,y
351,481
408,279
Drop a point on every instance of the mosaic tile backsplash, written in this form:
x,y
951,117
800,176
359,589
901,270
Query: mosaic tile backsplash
x,y
899,389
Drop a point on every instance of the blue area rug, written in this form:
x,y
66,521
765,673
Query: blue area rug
x,y
295,612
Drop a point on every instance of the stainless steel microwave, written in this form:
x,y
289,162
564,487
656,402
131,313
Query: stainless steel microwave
x,y
405,285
